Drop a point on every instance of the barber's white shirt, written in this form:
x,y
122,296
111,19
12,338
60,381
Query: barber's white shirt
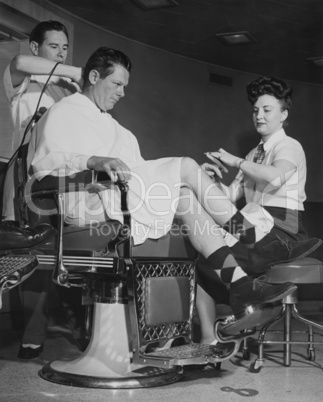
x,y
24,98
23,101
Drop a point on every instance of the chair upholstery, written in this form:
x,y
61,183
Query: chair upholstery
x,y
306,271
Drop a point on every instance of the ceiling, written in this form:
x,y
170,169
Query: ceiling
x,y
287,32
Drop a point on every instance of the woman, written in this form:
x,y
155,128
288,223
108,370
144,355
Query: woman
x,y
272,175
275,177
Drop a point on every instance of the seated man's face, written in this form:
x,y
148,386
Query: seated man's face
x,y
109,90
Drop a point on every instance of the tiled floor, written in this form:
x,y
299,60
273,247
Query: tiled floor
x,y
303,381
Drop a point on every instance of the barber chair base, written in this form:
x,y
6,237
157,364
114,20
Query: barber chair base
x,y
107,362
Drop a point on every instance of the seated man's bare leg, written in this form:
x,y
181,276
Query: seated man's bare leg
x,y
221,209
206,311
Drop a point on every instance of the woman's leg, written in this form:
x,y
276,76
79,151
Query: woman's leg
x,y
206,237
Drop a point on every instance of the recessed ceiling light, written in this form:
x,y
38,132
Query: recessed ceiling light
x,y
236,38
318,61
154,4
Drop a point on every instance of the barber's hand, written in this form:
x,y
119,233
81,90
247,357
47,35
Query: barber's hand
x,y
114,167
226,158
212,170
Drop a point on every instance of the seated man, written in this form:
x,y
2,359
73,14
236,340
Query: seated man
x,y
77,133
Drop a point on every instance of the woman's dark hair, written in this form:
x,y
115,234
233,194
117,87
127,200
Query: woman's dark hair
x,y
270,86
104,60
38,33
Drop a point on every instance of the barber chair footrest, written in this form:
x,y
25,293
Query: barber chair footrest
x,y
190,354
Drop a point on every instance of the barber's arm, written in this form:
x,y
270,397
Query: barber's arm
x,y
24,65
114,167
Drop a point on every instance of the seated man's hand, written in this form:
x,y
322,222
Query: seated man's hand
x,y
114,167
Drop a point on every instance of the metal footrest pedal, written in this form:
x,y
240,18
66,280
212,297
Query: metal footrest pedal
x,y
237,327
190,354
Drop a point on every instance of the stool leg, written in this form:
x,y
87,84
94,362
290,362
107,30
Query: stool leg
x,y
305,320
244,349
310,348
310,324
257,364
287,335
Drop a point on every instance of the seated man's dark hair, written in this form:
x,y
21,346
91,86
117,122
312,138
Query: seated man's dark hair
x,y
38,33
270,86
103,60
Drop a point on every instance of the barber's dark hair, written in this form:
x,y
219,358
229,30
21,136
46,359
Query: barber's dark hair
x,y
39,31
270,86
104,60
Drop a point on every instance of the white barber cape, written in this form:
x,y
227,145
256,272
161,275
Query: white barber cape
x,y
73,130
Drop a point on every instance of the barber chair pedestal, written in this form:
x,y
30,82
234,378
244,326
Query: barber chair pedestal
x,y
107,362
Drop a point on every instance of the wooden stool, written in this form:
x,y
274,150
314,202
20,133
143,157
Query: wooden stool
x,y
302,271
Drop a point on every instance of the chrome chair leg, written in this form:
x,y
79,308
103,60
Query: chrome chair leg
x,y
287,335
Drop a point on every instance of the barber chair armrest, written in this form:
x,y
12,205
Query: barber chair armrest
x,y
87,180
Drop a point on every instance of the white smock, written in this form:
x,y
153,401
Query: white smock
x,y
70,133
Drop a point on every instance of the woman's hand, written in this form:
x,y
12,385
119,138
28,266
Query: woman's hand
x,y
226,158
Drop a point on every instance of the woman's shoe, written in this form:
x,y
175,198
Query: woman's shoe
x,y
247,291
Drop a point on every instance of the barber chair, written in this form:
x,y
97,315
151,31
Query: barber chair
x,y
141,298
306,272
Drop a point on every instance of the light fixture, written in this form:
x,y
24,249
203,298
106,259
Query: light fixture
x,y
236,38
155,4
317,61
14,23
7,34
